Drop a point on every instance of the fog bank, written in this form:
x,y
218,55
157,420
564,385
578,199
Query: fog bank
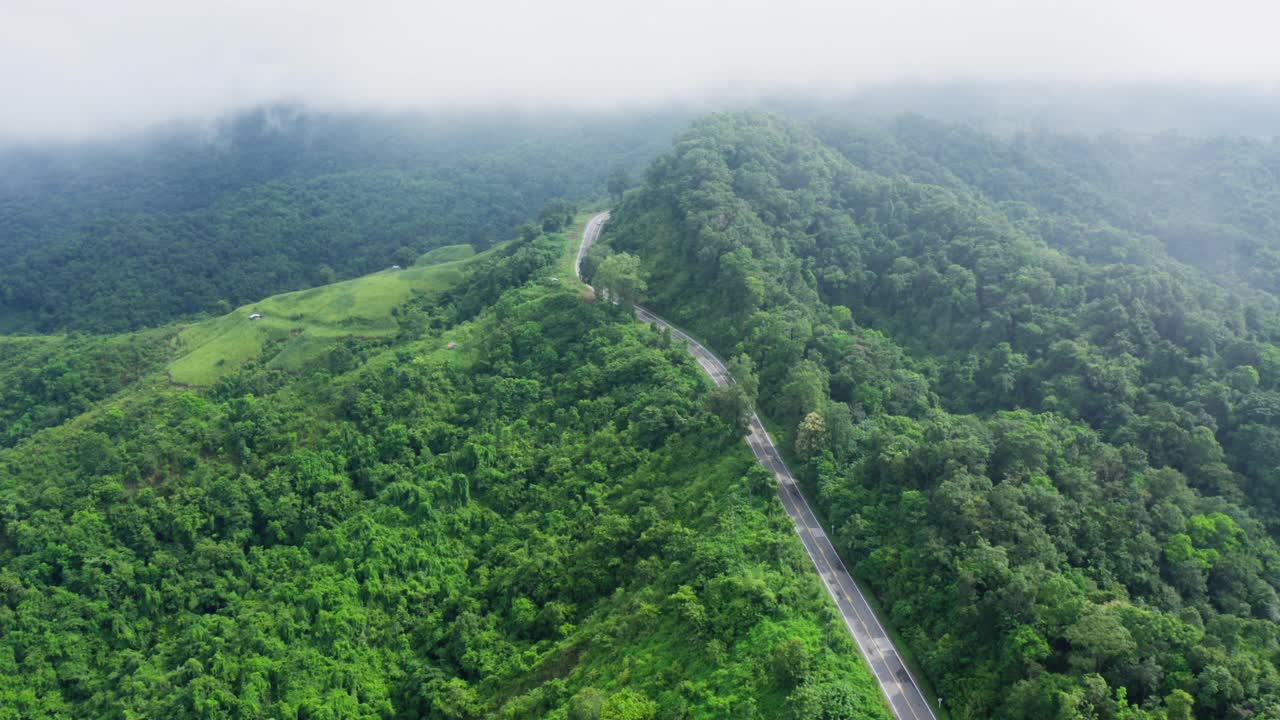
x,y
75,69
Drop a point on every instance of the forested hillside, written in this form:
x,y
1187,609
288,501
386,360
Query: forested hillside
x,y
544,521
1211,203
1039,421
187,220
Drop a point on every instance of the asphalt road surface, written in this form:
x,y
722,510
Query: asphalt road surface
x,y
900,688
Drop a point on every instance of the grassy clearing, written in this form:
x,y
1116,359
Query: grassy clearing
x,y
308,321
446,254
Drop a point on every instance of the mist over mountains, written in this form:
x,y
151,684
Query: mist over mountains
x,y
312,406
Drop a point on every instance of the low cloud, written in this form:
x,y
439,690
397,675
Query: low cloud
x,y
73,69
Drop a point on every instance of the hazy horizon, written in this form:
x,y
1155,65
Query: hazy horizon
x,y
72,71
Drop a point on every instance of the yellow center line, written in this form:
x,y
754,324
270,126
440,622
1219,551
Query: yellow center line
x,y
862,622
803,526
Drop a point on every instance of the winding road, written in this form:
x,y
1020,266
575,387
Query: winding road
x,y
900,688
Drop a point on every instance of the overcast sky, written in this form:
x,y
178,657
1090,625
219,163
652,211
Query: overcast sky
x,y
83,67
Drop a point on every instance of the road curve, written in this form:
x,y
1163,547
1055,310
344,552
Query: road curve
x,y
900,688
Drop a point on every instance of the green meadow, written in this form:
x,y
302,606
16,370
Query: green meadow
x,y
445,254
299,326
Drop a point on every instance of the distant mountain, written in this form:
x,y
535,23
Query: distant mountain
x,y
185,220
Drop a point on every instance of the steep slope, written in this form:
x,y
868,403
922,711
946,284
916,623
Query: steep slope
x,y
46,380
543,521
1091,540
907,697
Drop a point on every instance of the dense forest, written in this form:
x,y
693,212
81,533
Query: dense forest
x,y
187,220
1214,204
521,505
1031,381
45,381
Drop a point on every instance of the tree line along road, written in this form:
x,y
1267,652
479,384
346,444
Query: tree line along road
x,y
903,693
